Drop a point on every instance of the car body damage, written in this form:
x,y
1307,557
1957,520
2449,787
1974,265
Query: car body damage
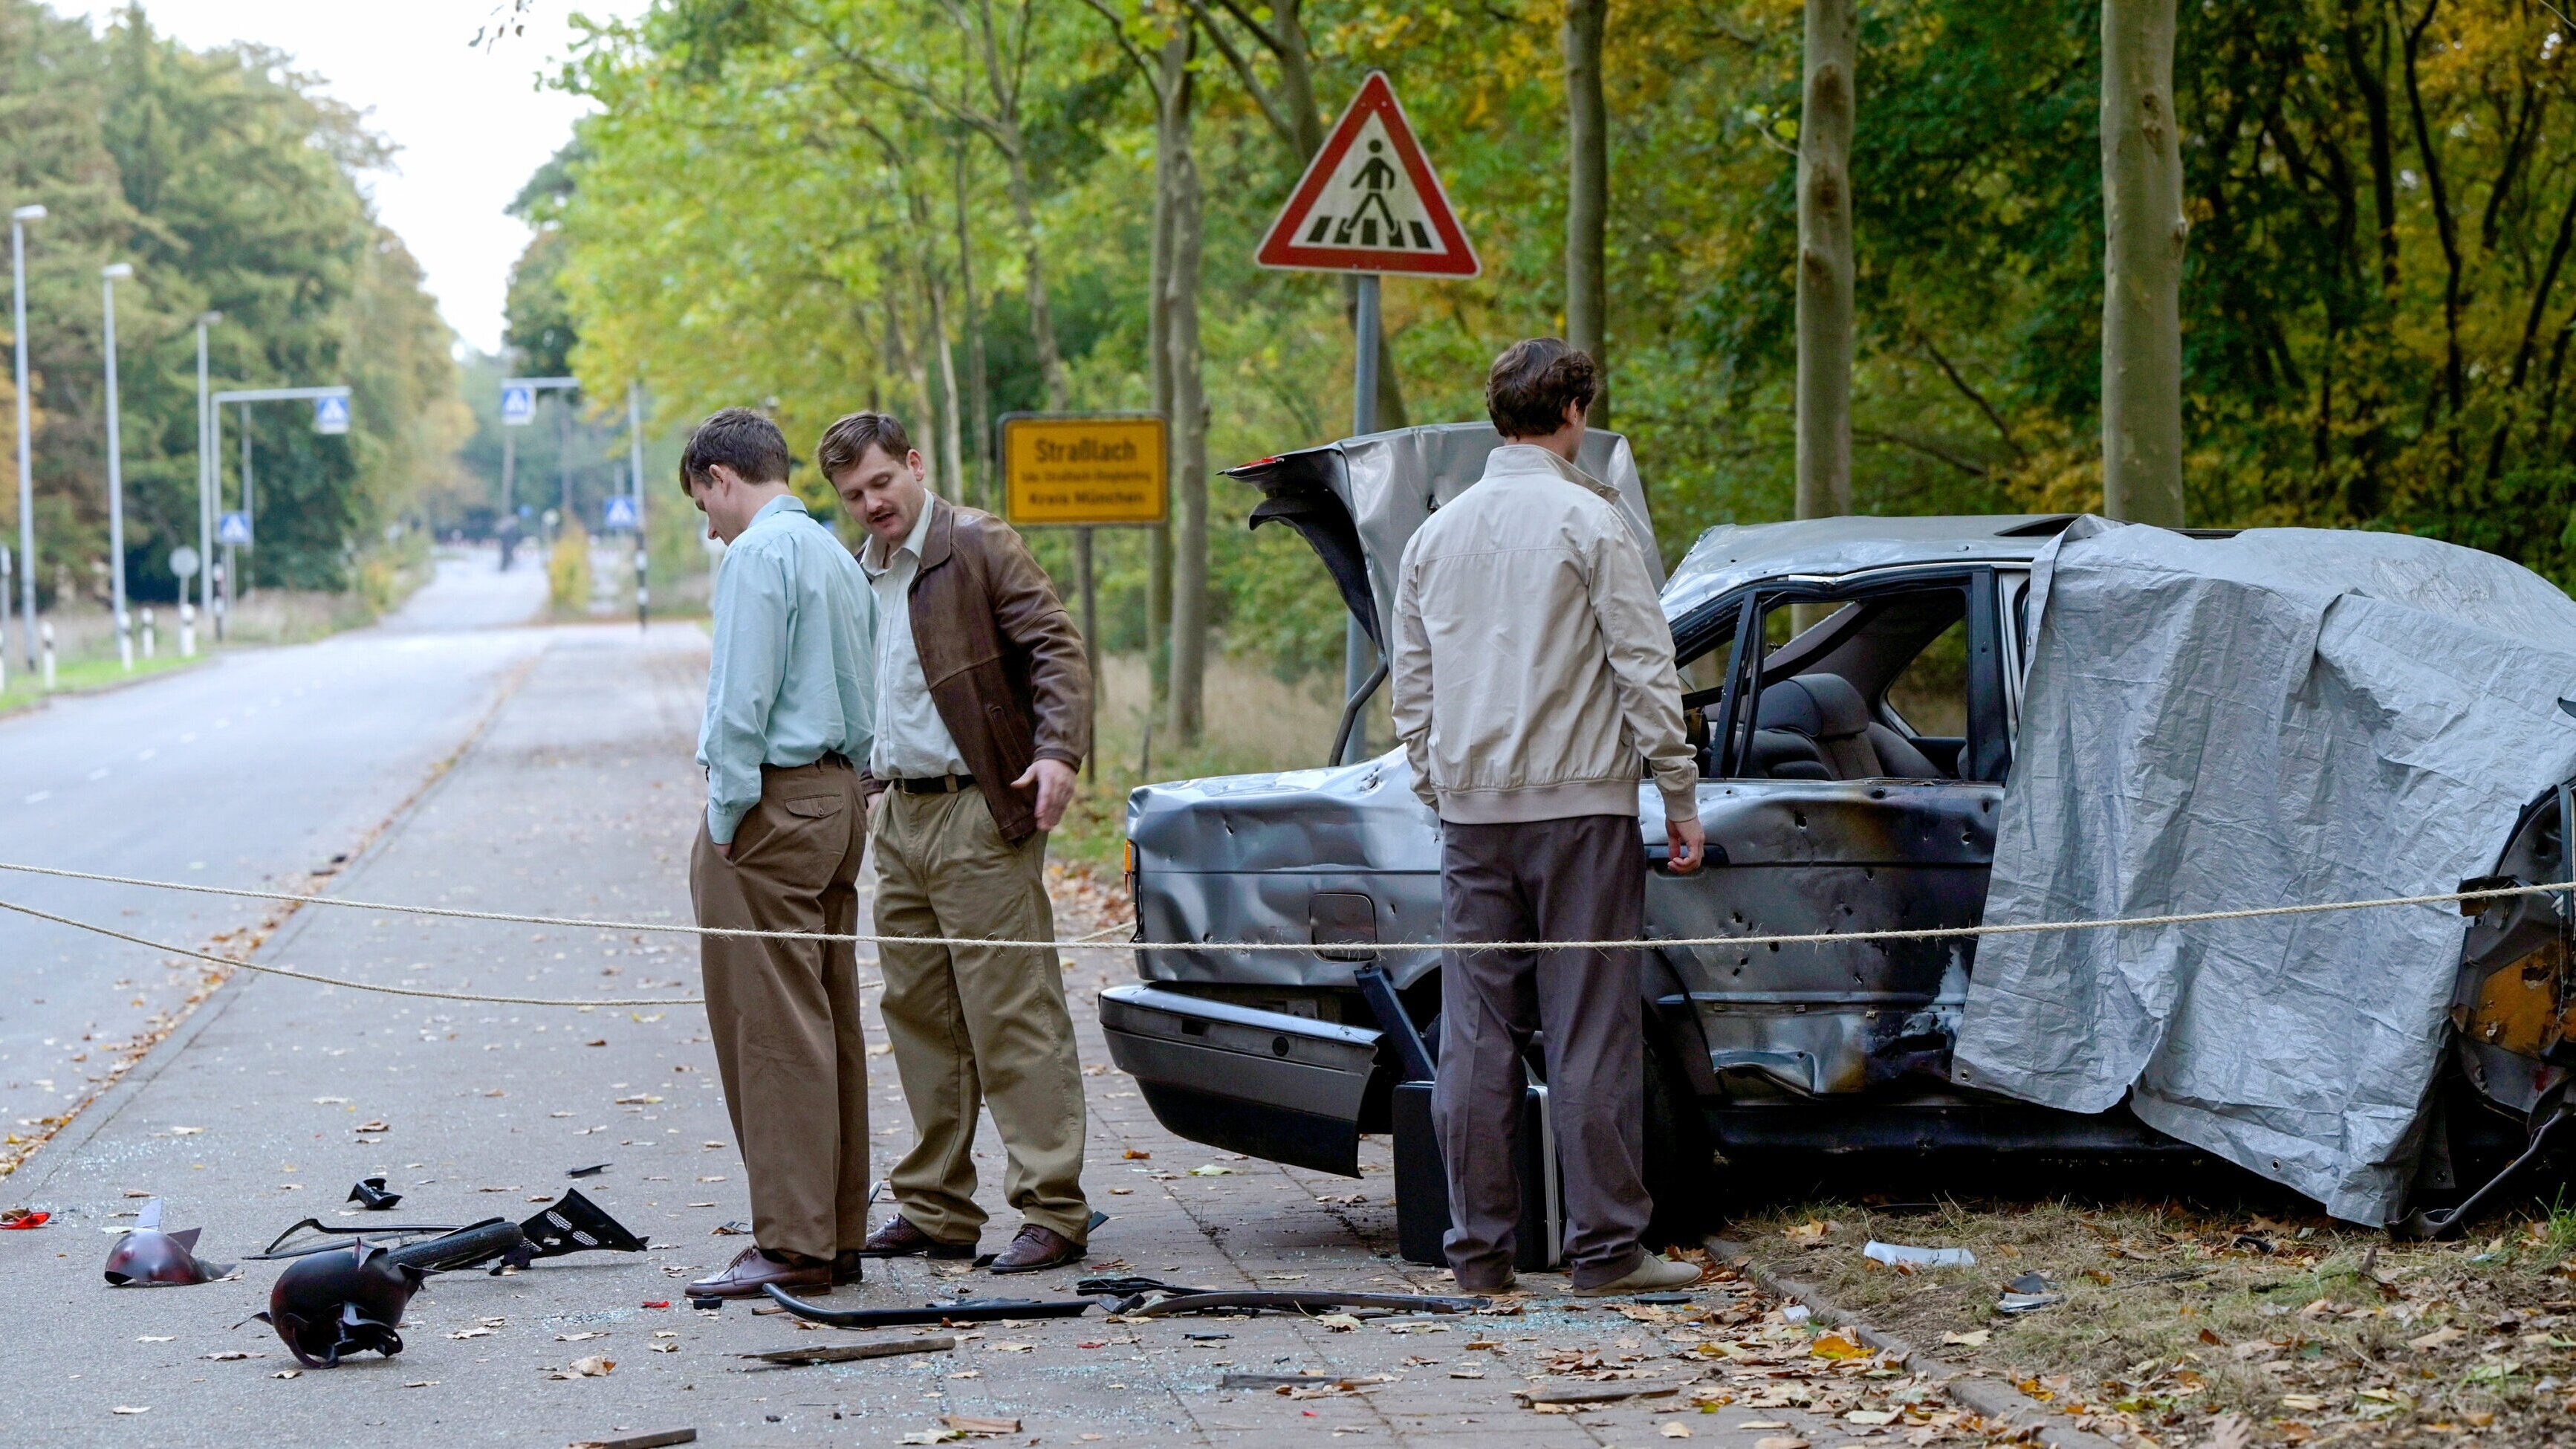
x,y
1853,687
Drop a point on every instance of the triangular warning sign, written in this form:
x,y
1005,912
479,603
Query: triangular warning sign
x,y
1369,202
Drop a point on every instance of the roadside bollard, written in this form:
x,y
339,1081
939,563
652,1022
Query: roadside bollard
x,y
150,643
47,634
187,630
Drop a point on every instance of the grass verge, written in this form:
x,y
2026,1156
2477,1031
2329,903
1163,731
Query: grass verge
x,y
2174,1316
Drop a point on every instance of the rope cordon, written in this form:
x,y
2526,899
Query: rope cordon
x,y
2496,894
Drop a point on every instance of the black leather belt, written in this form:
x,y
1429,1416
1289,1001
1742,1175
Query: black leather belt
x,y
936,785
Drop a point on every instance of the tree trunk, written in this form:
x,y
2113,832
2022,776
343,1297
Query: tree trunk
x,y
2145,232
1009,140
979,378
1158,366
1825,261
951,415
1587,192
1188,400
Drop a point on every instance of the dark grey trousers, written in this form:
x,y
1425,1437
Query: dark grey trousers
x,y
1582,879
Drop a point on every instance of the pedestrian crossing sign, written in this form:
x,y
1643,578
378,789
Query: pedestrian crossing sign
x,y
233,529
518,405
617,514
1369,201
331,413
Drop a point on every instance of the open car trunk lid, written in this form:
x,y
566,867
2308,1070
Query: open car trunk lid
x,y
1358,501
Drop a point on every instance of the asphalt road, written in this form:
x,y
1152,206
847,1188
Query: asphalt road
x,y
254,769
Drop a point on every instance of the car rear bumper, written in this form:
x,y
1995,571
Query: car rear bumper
x,y
1278,1087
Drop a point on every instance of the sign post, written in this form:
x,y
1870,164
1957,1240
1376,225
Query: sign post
x,y
1085,471
183,566
1368,204
518,410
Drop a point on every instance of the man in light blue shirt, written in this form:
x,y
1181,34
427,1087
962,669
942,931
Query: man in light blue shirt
x,y
789,700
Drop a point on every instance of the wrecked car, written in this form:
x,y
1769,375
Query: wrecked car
x,y
1854,688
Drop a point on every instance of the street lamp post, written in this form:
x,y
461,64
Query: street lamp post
x,y
108,277
205,473
18,220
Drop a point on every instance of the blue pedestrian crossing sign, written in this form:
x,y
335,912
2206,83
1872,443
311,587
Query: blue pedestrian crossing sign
x,y
330,414
234,529
618,514
518,406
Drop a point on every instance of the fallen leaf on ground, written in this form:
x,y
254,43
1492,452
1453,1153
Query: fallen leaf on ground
x,y
471,1333
288,1374
1132,1155
422,1384
1837,1344
1012,1347
2304,1403
2231,1431
2425,1343
1673,1429
1974,1338
979,1424
587,1368
131,1409
1780,1441
581,1337
377,1125
22,1219
230,1355
1211,1170
158,1338
182,1132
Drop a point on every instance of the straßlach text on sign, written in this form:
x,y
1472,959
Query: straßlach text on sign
x,y
1084,471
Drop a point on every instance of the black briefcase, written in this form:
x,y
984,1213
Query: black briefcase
x,y
1422,1187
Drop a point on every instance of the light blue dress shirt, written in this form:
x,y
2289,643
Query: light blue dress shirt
x,y
794,674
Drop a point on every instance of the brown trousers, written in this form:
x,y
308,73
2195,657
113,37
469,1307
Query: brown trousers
x,y
785,1014
976,1026
1582,879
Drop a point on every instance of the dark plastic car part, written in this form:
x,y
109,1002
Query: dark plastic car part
x,y
963,1310
348,1300
150,1258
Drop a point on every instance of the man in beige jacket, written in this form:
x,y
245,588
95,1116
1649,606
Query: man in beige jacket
x,y
1533,674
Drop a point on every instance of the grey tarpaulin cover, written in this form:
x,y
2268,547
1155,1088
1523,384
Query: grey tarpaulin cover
x,y
2289,715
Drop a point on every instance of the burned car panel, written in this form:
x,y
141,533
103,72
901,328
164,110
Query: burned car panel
x,y
1321,856
1802,856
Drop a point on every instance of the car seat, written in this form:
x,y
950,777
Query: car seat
x,y
1817,727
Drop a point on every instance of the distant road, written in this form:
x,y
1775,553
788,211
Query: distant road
x,y
249,771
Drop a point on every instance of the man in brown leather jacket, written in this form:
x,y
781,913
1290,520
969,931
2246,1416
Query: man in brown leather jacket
x,y
983,714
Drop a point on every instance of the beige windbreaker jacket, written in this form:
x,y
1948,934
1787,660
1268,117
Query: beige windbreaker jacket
x,y
1533,667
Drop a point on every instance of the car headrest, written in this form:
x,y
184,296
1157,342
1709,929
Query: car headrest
x,y
1819,706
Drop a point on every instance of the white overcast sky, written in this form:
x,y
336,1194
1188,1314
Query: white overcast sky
x,y
468,124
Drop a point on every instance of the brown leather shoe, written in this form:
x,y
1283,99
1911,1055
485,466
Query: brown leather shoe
x,y
848,1267
752,1270
1037,1249
900,1239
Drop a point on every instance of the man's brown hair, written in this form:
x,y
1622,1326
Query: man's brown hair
x,y
740,439
1531,384
850,436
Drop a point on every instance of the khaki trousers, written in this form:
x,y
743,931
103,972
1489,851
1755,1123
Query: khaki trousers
x,y
974,1025
785,1014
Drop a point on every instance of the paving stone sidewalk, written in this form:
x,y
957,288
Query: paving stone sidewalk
x,y
579,800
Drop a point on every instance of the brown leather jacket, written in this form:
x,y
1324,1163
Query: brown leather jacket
x,y
1004,663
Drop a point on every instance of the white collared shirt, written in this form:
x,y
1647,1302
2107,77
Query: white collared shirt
x,y
912,741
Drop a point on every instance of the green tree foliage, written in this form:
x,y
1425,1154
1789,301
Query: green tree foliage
x,y
2376,306
230,184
